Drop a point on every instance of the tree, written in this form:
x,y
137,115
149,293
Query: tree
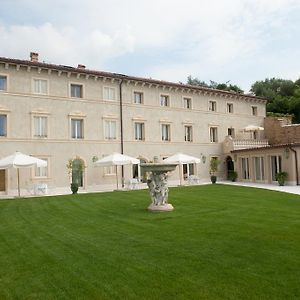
x,y
283,95
214,85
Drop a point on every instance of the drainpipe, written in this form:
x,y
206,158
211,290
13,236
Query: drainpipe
x,y
121,127
296,163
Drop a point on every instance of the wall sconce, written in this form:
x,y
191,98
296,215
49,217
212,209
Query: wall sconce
x,y
203,159
94,159
287,153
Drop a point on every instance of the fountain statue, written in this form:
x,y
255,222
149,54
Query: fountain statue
x,y
158,185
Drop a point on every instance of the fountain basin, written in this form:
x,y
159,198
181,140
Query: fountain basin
x,y
158,185
158,167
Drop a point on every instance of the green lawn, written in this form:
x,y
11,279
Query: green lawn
x,y
220,242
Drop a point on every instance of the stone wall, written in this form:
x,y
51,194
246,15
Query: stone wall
x,y
281,131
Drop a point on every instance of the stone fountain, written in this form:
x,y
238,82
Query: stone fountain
x,y
158,185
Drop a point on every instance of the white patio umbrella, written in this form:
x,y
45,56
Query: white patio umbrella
x,y
253,128
180,159
19,160
116,159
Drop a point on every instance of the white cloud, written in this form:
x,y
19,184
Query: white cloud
x,y
196,37
64,45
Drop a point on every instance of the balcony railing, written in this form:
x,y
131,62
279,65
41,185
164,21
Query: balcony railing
x,y
231,144
249,143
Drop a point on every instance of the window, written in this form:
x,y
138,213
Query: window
x,y
213,132
109,170
254,134
76,91
110,129
230,108
41,171
230,132
109,93
212,106
3,125
40,126
254,110
245,168
188,170
187,103
138,98
164,100
3,83
40,86
139,131
77,128
165,132
259,168
188,133
275,166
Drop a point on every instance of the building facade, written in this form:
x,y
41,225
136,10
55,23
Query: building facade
x,y
60,113
262,161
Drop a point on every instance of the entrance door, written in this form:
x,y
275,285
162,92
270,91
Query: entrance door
x,y
2,181
275,166
77,172
230,166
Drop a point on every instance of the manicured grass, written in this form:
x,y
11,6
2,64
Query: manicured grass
x,y
221,242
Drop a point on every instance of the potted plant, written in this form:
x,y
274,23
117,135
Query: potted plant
x,y
74,187
281,177
75,168
214,165
232,175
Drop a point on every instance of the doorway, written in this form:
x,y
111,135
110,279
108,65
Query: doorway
x,y
230,166
77,172
2,181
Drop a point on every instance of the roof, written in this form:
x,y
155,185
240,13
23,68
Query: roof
x,y
120,77
268,147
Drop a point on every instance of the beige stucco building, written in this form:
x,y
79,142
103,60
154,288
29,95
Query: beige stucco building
x,y
59,113
261,162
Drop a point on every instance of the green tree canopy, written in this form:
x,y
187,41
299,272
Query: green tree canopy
x,y
214,85
283,95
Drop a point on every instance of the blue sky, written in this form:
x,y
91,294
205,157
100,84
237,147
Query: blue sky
x,y
237,40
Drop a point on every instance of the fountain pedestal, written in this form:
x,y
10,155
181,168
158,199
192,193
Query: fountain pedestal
x,y
158,185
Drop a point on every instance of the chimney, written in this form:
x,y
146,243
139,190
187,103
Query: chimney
x,y
34,56
81,66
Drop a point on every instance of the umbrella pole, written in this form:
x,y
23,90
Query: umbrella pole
x,y
180,173
18,176
117,177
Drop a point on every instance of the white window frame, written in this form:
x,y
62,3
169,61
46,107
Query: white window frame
x,y
254,110
188,133
6,125
245,168
6,86
232,131
185,101
40,80
166,97
278,165
213,134
34,116
212,105
107,124
141,97
229,108
166,138
259,168
110,96
76,84
139,134
74,118
39,169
